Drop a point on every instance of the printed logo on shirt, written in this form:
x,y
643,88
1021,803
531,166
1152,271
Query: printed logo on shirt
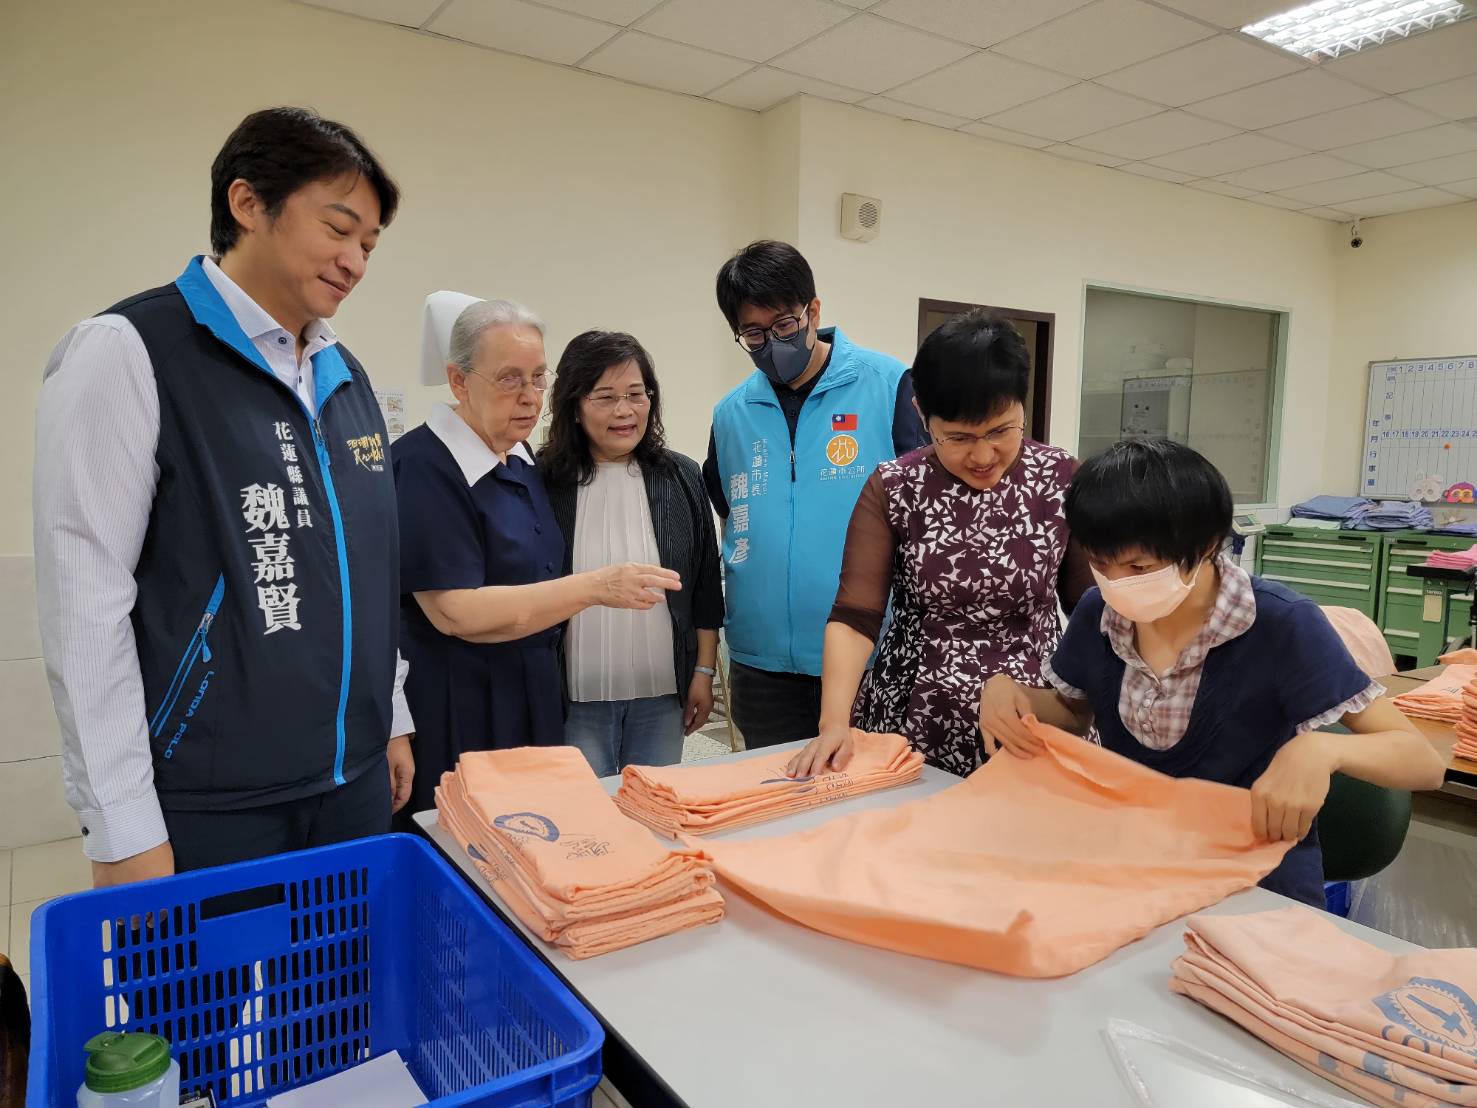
x,y
528,823
368,451
844,422
1432,1015
842,450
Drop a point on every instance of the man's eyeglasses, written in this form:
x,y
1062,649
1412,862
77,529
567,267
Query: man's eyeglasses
x,y
608,401
755,339
959,440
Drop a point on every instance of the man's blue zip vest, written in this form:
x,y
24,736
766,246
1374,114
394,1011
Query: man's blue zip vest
x,y
787,515
268,583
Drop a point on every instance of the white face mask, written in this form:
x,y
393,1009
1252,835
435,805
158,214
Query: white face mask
x,y
1149,596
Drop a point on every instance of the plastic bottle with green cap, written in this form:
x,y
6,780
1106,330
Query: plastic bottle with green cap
x,y
129,1068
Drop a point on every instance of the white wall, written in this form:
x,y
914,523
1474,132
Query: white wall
x,y
985,223
598,203
1409,292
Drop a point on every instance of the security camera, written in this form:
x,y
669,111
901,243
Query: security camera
x,y
1356,240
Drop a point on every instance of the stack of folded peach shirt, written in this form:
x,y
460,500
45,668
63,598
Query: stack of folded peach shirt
x,y
561,856
1439,698
1397,1030
733,793
1466,726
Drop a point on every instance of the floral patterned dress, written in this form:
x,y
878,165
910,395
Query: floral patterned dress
x,y
975,577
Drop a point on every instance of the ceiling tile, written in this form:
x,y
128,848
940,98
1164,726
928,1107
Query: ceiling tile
x,y
982,22
1344,189
1228,155
624,12
1365,122
1439,171
522,29
1078,154
644,60
1074,112
1146,169
1000,134
1332,214
1209,68
1452,99
763,88
405,13
1425,59
1278,101
1222,188
1293,172
1403,202
1412,146
980,85
871,53
1230,14
1463,188
1158,134
910,111
1104,36
755,29
1269,200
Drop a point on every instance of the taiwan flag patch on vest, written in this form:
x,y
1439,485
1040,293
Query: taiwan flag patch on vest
x,y
845,422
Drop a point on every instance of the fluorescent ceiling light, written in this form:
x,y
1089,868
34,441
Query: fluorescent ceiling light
x,y
1331,28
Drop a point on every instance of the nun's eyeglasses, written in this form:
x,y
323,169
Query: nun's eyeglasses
x,y
515,382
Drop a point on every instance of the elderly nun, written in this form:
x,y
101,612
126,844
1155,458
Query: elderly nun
x,y
483,595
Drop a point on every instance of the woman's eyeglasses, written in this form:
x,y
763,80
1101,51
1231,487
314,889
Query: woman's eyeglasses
x,y
959,440
515,382
608,401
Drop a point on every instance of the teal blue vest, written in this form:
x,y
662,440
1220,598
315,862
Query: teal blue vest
x,y
787,515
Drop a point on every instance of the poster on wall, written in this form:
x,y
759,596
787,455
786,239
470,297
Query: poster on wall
x,y
392,407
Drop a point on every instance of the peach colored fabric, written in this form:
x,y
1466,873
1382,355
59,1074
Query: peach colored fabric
x,y
1466,656
1466,724
1397,1029
546,836
732,793
1033,867
1439,698
1364,640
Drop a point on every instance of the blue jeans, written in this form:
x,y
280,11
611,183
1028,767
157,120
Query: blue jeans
x,y
613,734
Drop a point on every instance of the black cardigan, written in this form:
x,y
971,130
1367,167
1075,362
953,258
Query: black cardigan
x,y
685,540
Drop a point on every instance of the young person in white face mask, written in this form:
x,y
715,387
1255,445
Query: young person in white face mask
x,y
1187,664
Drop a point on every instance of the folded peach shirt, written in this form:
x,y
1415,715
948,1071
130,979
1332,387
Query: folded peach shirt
x,y
731,793
561,856
1395,1029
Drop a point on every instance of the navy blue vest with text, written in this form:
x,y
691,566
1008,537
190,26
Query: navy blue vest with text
x,y
268,583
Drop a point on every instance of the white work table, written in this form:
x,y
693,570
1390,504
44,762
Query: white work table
x,y
758,1010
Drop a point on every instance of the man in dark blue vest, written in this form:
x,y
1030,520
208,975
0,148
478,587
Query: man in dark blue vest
x,y
215,532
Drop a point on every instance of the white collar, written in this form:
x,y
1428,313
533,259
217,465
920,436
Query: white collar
x,y
252,317
472,455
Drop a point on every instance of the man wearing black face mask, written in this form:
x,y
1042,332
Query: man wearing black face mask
x,y
789,452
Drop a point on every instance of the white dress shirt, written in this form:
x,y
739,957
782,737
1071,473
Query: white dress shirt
x,y
97,431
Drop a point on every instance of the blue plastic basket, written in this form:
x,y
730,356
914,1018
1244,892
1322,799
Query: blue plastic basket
x,y
272,974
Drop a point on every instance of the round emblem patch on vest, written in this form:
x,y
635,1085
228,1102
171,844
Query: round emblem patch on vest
x,y
842,450
528,823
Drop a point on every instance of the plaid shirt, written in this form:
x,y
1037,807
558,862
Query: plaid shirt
x,y
1156,709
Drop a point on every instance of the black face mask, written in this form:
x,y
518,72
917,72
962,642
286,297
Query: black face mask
x,y
784,360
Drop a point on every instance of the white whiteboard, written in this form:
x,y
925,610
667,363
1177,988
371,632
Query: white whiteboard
x,y
1421,422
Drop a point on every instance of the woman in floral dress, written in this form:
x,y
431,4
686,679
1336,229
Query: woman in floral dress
x,y
968,540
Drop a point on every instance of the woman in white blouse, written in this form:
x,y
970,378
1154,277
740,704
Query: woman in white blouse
x,y
638,681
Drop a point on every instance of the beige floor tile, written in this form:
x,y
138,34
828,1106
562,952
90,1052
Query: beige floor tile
x,y
48,870
20,934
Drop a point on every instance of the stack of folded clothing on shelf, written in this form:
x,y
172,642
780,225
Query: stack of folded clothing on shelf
x,y
1395,1029
732,793
1453,559
562,857
1336,508
1391,515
